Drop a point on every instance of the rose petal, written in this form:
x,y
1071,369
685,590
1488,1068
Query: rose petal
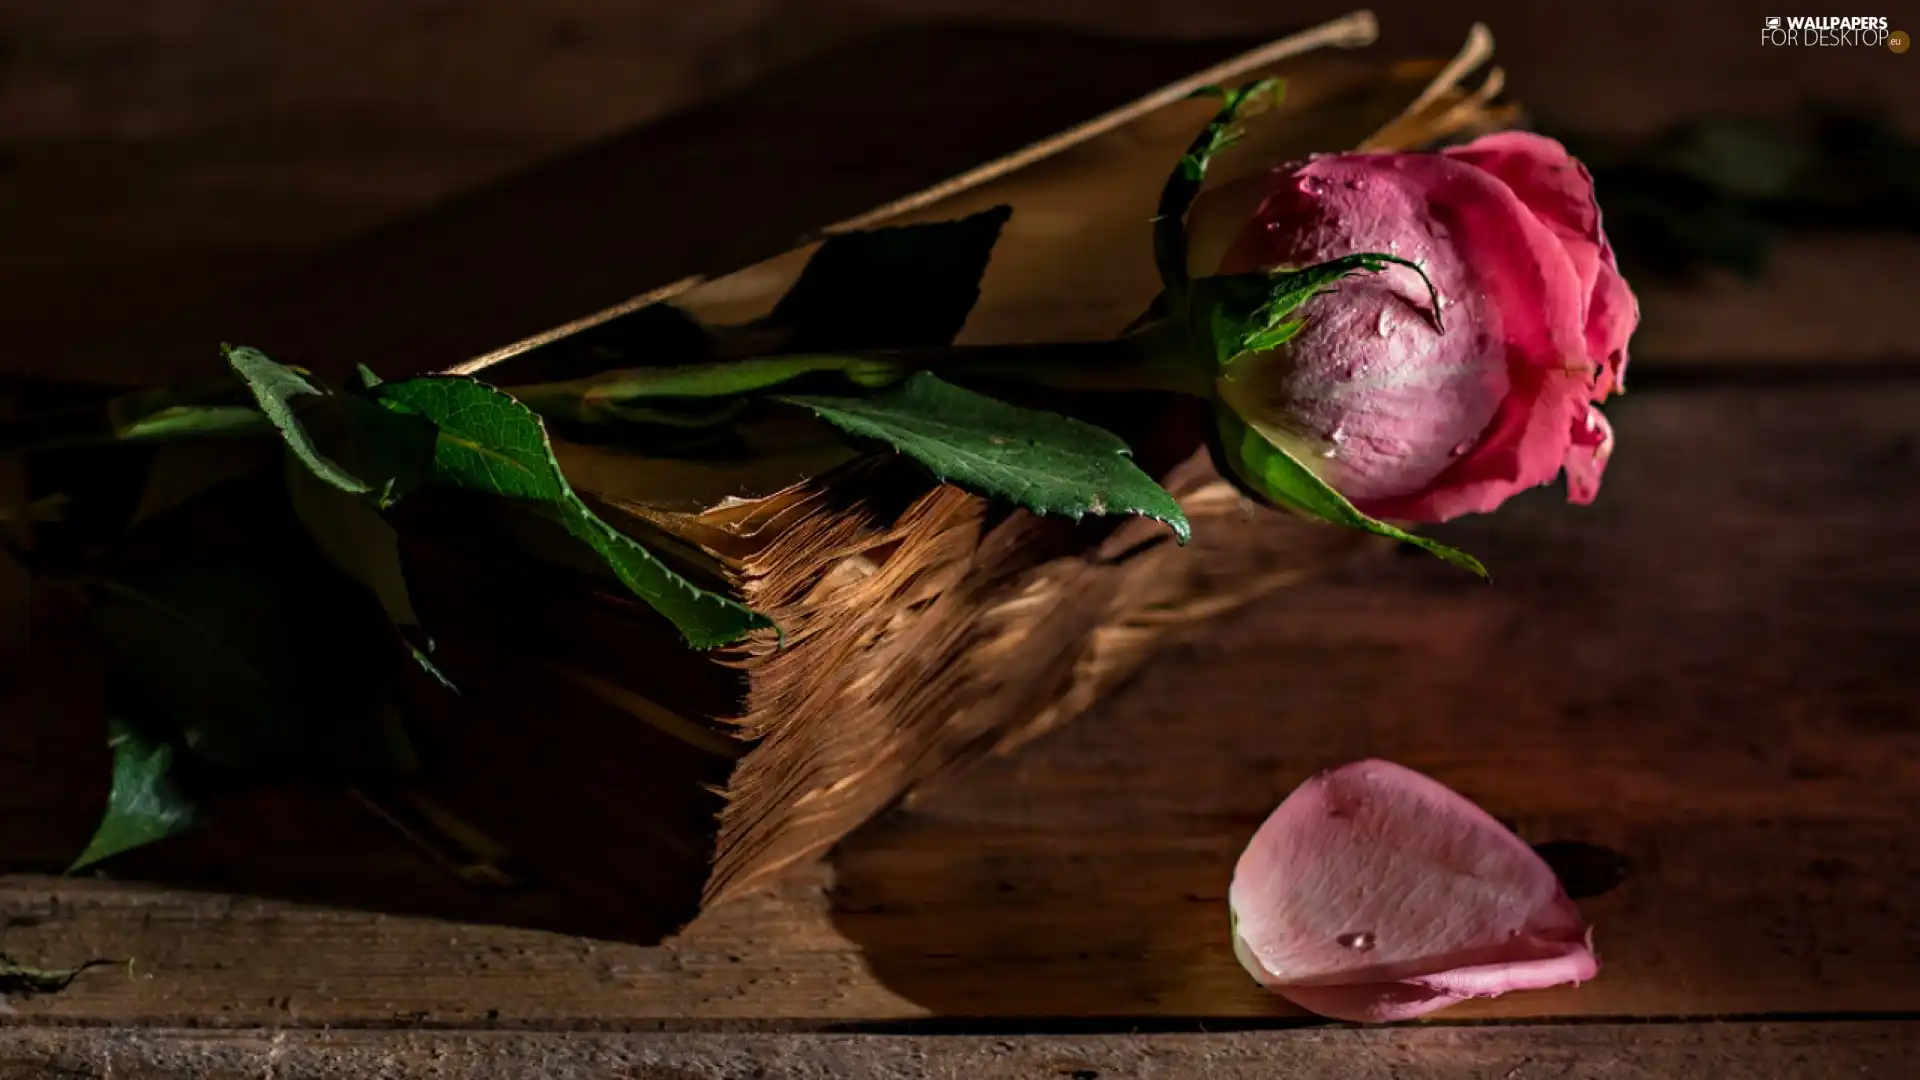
x,y
1612,315
1560,190
1375,893
1369,1003
1383,1003
1524,447
1565,962
1556,187
1587,453
1534,286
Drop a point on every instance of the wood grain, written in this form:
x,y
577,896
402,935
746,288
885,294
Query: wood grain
x,y
1708,671
1738,1051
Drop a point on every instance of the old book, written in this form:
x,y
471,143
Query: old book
x,y
924,628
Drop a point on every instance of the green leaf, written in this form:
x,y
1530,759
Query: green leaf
x,y
142,416
345,440
905,287
334,440
276,387
901,287
1270,474
19,978
191,422
1183,184
145,804
393,451
892,288
1047,463
615,395
491,444
235,633
362,545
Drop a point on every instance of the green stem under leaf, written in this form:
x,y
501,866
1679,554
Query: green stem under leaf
x,y
1156,357
142,416
1183,184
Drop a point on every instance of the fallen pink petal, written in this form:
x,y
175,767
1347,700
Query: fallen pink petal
x,y
1374,893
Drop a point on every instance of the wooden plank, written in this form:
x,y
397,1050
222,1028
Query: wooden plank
x,y
1729,1051
1709,671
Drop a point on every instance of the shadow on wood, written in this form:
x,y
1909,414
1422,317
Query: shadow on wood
x,y
1709,670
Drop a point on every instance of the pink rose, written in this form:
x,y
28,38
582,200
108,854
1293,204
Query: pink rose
x,y
1408,422
1375,893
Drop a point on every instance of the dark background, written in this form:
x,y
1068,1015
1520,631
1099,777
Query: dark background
x,y
158,154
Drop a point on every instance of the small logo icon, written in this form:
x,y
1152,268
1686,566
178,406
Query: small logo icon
x,y
1898,41
1773,22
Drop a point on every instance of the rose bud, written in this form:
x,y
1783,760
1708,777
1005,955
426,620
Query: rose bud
x,y
1409,421
1376,894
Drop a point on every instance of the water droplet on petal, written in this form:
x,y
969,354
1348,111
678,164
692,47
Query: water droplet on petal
x,y
1328,452
1360,940
1393,245
1386,323
1462,449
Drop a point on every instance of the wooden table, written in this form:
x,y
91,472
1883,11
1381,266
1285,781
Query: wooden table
x,y
1710,673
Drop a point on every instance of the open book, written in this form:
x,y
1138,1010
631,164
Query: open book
x,y
923,627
